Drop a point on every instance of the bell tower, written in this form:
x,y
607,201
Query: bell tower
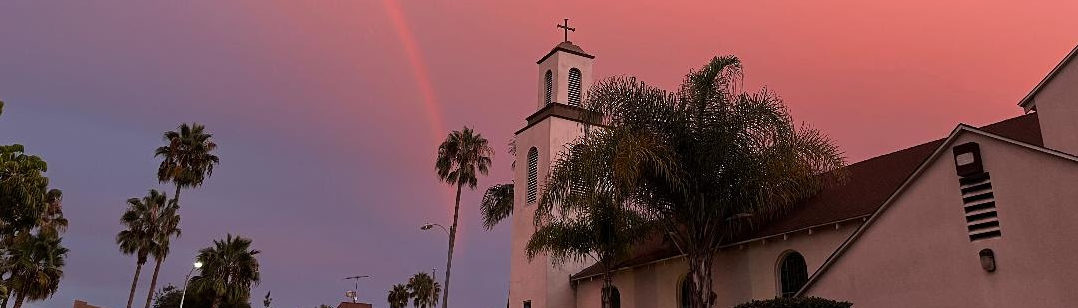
x,y
564,75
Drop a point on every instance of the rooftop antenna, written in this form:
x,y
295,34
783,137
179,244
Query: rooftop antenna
x,y
354,293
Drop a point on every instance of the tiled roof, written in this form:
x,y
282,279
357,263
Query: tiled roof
x,y
869,184
354,305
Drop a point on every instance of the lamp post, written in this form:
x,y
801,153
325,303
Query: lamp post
x,y
447,235
183,295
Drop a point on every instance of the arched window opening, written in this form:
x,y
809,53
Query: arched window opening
x,y
533,174
685,293
615,297
793,273
548,83
574,87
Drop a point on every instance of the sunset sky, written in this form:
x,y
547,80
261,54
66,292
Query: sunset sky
x,y
328,113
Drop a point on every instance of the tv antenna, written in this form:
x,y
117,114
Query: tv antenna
x,y
354,293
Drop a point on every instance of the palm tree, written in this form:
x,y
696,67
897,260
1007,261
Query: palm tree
x,y
497,205
188,157
462,157
398,297
424,290
229,269
139,236
37,264
582,214
164,225
707,163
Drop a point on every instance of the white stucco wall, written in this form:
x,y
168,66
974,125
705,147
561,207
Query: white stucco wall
x,y
741,273
1057,109
918,253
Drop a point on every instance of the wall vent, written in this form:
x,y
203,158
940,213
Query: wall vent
x,y
980,206
978,201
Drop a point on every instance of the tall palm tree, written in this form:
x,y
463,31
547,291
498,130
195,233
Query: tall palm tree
x,y
37,264
398,297
229,269
462,157
165,225
708,162
424,290
188,157
138,236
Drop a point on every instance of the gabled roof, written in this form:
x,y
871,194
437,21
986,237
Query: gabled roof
x,y
869,185
1027,102
962,128
568,47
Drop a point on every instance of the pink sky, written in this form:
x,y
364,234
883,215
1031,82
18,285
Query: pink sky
x,y
329,112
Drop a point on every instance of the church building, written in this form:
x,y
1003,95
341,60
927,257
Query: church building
x,y
982,217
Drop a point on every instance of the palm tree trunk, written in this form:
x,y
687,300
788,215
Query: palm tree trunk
x,y
216,301
134,283
700,273
607,284
176,196
452,242
153,281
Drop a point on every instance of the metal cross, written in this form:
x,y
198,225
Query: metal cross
x,y
567,29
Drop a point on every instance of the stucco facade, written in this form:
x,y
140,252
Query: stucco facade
x,y
917,251
740,272
903,234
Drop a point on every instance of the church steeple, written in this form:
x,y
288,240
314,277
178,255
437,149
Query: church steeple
x,y
564,76
564,73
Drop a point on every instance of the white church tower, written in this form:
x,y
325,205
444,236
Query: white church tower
x,y
564,75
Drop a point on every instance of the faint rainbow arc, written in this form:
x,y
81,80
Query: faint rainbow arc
x,y
419,69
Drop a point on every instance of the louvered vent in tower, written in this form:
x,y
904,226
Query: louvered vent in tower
x,y
533,175
574,87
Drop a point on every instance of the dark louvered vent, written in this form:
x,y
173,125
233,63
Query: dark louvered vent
x,y
977,198
980,207
574,87
533,174
548,84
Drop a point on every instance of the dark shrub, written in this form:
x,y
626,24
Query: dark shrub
x,y
795,302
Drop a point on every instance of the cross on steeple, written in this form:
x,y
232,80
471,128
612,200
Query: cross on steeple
x,y
567,29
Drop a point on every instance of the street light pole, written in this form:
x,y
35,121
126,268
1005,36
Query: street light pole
x,y
449,240
183,295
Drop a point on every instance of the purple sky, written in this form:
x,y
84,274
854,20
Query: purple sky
x,y
325,111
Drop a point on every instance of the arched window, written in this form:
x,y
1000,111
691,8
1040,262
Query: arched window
x,y
793,273
615,297
685,293
533,174
548,84
574,87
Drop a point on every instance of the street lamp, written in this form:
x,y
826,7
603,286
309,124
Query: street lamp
x,y
183,296
430,226
450,258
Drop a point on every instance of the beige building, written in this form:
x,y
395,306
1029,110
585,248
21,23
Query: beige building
x,y
982,217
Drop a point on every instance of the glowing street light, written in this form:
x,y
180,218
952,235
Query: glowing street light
x,y
183,296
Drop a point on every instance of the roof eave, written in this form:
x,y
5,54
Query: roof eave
x,y
902,189
1028,102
